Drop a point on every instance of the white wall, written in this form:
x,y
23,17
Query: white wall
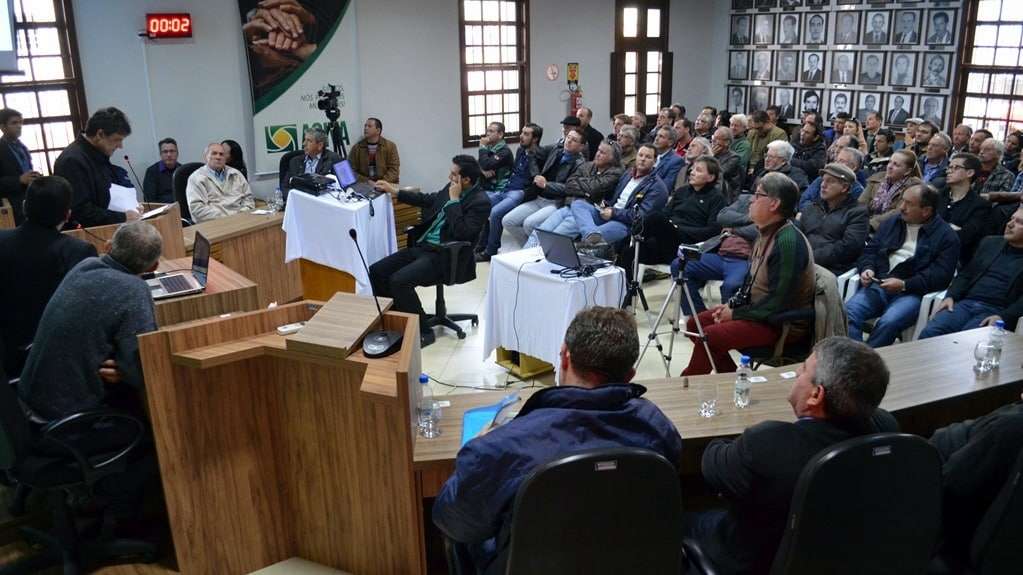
x,y
408,70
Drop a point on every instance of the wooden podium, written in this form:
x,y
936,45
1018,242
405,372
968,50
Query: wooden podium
x,y
273,447
168,224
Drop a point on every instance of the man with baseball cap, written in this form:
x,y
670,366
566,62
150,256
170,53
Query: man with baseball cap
x,y
835,224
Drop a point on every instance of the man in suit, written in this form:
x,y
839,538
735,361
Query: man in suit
x,y
762,66
939,32
869,105
764,33
897,114
740,29
16,171
834,397
815,30
158,183
35,256
871,73
316,159
789,30
907,33
86,164
812,69
843,71
878,33
845,31
455,213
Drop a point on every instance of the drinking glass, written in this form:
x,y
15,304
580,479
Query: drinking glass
x,y
984,354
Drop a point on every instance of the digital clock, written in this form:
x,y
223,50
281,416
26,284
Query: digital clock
x,y
169,25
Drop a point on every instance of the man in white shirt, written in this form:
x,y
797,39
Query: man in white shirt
x,y
217,190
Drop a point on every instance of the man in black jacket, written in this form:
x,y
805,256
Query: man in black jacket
x,y
35,256
836,225
158,183
495,158
316,159
16,171
989,289
593,136
811,153
455,213
86,164
732,171
835,397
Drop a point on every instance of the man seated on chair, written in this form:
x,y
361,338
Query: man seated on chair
x,y
834,397
989,289
316,159
454,214
526,167
912,254
217,190
640,192
595,407
79,363
158,183
836,225
781,279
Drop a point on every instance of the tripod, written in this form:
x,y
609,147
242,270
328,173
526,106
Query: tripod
x,y
635,289
674,299
334,131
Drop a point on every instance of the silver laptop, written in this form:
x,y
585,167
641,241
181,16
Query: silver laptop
x,y
176,284
560,250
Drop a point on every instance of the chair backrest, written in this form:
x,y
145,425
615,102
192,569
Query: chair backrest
x,y
15,430
871,504
996,545
282,170
604,511
180,182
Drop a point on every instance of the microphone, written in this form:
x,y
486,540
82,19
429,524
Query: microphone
x,y
380,342
138,193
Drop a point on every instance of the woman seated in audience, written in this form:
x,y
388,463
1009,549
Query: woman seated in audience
x,y
884,189
884,142
700,146
855,129
235,159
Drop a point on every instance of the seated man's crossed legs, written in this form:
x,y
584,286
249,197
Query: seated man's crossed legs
x,y
398,275
560,221
965,314
591,221
894,313
521,221
501,203
731,272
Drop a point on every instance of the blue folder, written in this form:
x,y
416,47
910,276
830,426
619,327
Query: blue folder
x,y
477,418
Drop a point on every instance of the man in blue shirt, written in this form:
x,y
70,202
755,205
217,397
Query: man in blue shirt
x,y
158,183
526,166
594,408
16,171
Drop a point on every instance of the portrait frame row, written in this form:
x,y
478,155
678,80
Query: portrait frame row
x,y
868,27
847,67
793,101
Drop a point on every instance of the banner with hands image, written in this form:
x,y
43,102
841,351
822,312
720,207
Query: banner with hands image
x,y
295,48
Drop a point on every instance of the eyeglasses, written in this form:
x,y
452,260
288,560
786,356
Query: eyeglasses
x,y
759,194
952,167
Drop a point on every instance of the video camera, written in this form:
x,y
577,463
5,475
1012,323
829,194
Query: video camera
x,y
328,101
689,252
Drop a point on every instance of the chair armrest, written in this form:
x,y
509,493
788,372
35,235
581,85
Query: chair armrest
x,y
697,558
928,303
52,433
848,283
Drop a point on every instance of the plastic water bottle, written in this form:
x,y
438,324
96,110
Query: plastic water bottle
x,y
427,412
276,201
996,339
742,383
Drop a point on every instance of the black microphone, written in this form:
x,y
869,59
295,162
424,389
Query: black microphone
x,y
137,182
380,342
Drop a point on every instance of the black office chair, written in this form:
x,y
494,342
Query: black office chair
x,y
996,545
451,252
282,172
606,511
47,462
180,182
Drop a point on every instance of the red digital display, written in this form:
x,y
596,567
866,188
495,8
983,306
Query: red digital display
x,y
169,25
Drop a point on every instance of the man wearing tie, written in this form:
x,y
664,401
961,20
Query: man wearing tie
x,y
902,75
898,114
878,33
843,72
907,33
813,72
940,34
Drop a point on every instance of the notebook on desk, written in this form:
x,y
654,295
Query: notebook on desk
x,y
170,285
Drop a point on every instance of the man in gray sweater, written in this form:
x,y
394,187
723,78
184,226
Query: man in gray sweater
x,y
85,354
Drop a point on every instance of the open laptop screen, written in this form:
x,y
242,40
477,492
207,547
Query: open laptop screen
x,y
558,249
345,175
201,258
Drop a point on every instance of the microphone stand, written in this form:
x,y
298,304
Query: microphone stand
x,y
379,342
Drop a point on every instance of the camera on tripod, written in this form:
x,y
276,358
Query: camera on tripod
x,y
689,252
328,101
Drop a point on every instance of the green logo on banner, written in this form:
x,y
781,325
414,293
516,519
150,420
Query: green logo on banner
x,y
282,138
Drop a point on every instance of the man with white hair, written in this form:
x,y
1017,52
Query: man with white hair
x,y
217,190
934,163
739,124
316,159
994,180
778,159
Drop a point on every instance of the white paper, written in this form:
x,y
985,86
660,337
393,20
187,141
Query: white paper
x,y
788,375
156,212
757,379
122,199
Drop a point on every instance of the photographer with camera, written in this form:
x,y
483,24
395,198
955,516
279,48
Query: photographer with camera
x,y
375,157
781,278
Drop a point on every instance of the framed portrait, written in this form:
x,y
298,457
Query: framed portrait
x,y
762,65
760,98
763,29
847,27
816,28
785,99
936,70
791,3
787,68
812,71
848,2
740,31
839,101
932,109
876,28
817,3
898,108
742,4
843,67
871,68
738,65
941,27
902,71
811,100
767,3
906,28
867,102
737,99
788,29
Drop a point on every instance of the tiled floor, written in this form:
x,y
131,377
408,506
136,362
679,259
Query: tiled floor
x,y
461,362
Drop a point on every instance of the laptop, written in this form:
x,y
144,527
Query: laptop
x,y
345,175
560,250
183,283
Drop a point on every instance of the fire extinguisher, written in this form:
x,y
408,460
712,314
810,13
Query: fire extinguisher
x,y
575,101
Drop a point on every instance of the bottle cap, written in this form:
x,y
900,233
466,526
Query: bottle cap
x,y
744,360
999,324
424,379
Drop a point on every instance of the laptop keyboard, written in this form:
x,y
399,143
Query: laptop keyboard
x,y
175,283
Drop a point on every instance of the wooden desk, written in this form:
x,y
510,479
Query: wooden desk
x,y
269,451
932,384
168,224
253,246
227,291
6,214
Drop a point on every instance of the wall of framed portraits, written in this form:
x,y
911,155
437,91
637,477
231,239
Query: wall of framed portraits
x,y
855,56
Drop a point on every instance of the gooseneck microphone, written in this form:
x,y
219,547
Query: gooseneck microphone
x,y
138,193
380,342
